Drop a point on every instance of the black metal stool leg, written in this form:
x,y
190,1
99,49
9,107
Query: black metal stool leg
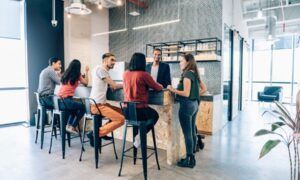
x,y
69,139
134,133
37,124
63,133
42,120
143,138
155,148
123,148
82,144
113,141
96,139
52,129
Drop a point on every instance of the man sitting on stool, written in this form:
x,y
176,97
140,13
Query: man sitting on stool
x,y
48,79
100,82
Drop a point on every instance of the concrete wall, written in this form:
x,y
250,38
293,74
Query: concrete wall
x,y
198,19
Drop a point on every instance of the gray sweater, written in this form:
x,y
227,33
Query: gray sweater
x,y
48,80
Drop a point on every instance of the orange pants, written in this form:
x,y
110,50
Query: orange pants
x,y
112,113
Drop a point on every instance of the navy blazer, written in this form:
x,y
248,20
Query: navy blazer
x,y
163,74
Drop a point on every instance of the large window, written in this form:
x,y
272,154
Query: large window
x,y
13,72
275,64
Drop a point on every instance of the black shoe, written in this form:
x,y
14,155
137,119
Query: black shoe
x,y
189,162
200,144
107,138
91,138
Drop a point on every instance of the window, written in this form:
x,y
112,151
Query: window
x,y
13,72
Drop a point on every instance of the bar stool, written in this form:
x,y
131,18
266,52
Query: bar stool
x,y
62,115
131,121
41,119
84,93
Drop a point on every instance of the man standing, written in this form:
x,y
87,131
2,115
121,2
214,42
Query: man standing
x,y
49,78
100,82
159,71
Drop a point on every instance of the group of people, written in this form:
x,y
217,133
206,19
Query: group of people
x,y
136,82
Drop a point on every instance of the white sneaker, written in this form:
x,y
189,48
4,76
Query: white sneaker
x,y
137,141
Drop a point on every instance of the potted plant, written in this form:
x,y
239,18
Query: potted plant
x,y
286,128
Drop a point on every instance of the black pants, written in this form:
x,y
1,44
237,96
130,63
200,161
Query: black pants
x,y
144,114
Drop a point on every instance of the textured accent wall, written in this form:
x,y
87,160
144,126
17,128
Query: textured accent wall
x,y
198,19
212,76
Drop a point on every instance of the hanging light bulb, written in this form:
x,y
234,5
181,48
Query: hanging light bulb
x,y
119,3
259,14
270,37
69,15
100,6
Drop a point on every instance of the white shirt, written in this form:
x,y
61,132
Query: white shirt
x,y
154,72
99,86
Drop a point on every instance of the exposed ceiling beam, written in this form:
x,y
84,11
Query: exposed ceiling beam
x,y
139,3
272,8
277,23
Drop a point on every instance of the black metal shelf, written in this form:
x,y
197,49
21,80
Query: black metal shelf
x,y
175,48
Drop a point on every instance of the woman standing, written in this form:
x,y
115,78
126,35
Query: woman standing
x,y
188,92
70,81
136,83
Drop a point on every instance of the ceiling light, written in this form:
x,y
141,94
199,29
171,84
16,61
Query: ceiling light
x,y
259,14
100,6
270,37
77,7
119,3
156,24
69,15
134,13
110,32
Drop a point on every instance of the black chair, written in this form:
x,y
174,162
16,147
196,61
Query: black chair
x,y
270,94
41,119
141,126
84,93
62,116
97,122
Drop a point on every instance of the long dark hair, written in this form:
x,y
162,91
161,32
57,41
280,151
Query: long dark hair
x,y
191,65
137,62
72,73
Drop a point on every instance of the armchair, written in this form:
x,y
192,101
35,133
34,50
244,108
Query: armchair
x,y
270,94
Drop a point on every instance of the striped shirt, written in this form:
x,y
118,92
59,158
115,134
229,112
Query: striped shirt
x,y
48,80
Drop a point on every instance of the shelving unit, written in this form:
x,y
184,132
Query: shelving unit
x,y
208,49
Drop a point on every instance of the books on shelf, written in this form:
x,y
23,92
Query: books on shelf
x,y
207,57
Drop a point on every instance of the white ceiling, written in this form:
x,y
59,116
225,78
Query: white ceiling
x,y
286,11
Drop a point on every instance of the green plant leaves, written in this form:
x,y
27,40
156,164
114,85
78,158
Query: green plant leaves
x,y
286,113
263,132
268,146
277,125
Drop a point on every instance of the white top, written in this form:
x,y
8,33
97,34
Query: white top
x,y
154,72
99,86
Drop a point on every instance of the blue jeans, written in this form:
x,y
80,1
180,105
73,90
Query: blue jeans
x,y
75,109
187,117
47,102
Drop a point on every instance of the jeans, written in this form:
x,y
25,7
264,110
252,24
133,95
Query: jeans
x,y
75,108
187,117
47,102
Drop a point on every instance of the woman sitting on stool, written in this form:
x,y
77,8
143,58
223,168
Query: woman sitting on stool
x,y
70,81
